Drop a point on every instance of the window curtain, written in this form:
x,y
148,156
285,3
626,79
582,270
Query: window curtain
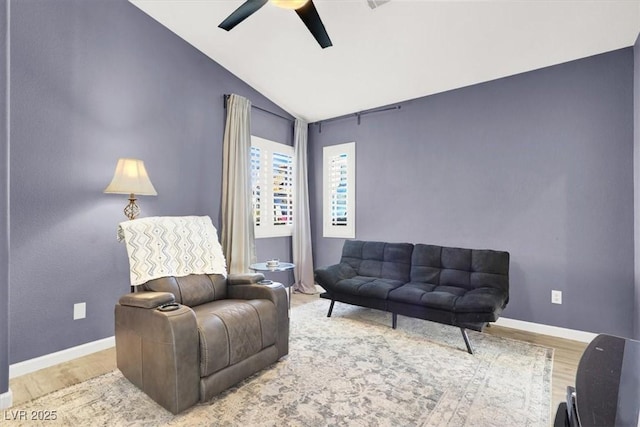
x,y
302,256
238,240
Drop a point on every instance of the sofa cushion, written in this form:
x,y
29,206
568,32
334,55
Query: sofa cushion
x,y
490,269
481,300
378,259
441,265
428,295
328,277
453,298
425,263
458,267
367,286
232,330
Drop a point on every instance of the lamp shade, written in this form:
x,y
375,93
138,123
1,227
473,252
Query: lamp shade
x,y
131,177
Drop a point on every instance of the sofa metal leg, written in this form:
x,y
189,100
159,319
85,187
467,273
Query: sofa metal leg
x,y
394,320
466,340
331,308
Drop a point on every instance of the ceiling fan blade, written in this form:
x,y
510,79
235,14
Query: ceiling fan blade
x,y
311,19
247,9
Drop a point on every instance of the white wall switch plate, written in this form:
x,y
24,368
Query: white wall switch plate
x,y
556,297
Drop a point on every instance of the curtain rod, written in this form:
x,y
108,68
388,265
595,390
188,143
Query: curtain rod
x,y
226,97
358,115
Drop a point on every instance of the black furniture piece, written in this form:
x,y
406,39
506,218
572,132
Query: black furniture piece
x,y
466,288
607,391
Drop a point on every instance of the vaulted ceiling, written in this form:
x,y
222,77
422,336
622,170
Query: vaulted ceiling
x,y
400,50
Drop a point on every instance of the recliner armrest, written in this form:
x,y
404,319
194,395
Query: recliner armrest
x,y
328,277
158,351
277,294
244,279
274,292
147,299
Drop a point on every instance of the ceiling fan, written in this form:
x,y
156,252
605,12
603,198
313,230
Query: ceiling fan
x,y
304,8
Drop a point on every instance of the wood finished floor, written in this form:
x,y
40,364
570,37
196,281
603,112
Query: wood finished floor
x,y
30,386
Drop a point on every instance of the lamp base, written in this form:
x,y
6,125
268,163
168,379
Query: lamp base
x,y
132,210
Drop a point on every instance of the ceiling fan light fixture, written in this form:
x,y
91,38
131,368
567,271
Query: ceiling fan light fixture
x,y
289,4
305,10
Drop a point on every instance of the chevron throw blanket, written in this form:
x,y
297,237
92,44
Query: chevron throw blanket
x,y
171,246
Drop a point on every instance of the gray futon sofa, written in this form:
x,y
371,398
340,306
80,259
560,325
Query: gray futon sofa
x,y
466,288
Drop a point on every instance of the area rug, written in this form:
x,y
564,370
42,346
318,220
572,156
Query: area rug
x,y
351,369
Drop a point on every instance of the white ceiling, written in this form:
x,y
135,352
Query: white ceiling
x,y
402,50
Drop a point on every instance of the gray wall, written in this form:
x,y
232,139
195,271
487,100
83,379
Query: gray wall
x,y
91,82
539,164
636,180
4,238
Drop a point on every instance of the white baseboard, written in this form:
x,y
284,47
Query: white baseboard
x,y
6,400
32,365
554,331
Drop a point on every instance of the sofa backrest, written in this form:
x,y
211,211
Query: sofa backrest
x,y
191,290
467,268
378,259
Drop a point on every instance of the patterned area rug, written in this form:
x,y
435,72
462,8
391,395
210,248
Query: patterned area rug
x,y
348,370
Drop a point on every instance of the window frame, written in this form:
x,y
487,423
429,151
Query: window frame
x,y
267,227
330,198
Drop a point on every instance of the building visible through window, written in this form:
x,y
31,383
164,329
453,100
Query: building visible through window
x,y
339,179
339,189
272,168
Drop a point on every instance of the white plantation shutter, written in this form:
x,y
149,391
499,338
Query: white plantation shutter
x,y
272,187
339,172
256,185
282,173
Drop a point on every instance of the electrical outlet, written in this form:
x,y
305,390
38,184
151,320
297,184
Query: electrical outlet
x,y
556,297
79,310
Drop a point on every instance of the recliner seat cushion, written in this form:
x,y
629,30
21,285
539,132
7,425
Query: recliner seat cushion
x,y
232,330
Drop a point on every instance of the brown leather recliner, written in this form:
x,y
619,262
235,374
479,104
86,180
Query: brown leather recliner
x,y
222,331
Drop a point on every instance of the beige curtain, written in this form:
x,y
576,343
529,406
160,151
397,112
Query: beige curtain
x,y
238,241
302,256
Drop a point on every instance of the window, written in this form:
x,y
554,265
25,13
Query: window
x,y
339,182
271,187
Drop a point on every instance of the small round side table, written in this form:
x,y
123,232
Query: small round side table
x,y
283,266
